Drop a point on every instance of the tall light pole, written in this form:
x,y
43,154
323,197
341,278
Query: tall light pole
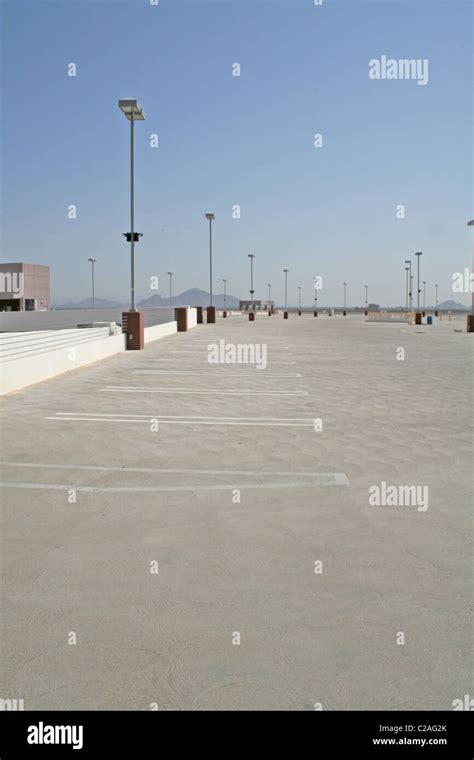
x,y
210,217
366,299
315,297
251,257
345,290
171,285
424,295
224,313
418,254
410,289
299,300
133,112
93,261
407,269
269,286
436,310
285,313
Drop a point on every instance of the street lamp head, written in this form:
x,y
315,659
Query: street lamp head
x,y
471,223
170,272
131,107
93,260
210,216
419,253
286,270
251,255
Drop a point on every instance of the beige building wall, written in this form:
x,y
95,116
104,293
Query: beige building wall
x,y
24,287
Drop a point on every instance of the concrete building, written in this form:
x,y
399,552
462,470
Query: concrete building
x,y
246,305
24,287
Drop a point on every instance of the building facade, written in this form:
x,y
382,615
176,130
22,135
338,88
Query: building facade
x,y
24,287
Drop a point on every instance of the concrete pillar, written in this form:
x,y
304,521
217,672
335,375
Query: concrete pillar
x,y
418,318
224,314
315,313
470,323
285,315
251,316
199,315
211,315
135,333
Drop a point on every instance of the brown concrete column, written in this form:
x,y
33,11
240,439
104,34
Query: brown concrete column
x,y
269,313
470,323
211,315
181,316
199,317
251,316
315,313
224,314
299,312
135,330
418,318
285,315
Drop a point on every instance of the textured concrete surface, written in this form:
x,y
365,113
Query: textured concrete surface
x,y
137,459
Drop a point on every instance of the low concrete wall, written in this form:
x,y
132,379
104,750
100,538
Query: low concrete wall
x,y
192,317
30,357
62,319
160,331
21,372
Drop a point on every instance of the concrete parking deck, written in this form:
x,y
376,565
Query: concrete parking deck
x,y
222,475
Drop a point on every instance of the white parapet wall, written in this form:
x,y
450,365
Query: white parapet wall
x,y
192,317
160,331
27,358
30,357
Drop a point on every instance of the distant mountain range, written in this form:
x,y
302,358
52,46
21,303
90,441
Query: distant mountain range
x,y
193,297
196,297
100,303
450,305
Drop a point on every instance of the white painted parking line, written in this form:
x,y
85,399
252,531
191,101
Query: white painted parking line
x,y
200,391
179,417
338,478
190,422
238,373
158,489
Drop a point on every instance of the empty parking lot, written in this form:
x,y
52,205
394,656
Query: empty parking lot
x,y
188,534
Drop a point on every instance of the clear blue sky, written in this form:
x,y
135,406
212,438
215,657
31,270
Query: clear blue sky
x,y
244,140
